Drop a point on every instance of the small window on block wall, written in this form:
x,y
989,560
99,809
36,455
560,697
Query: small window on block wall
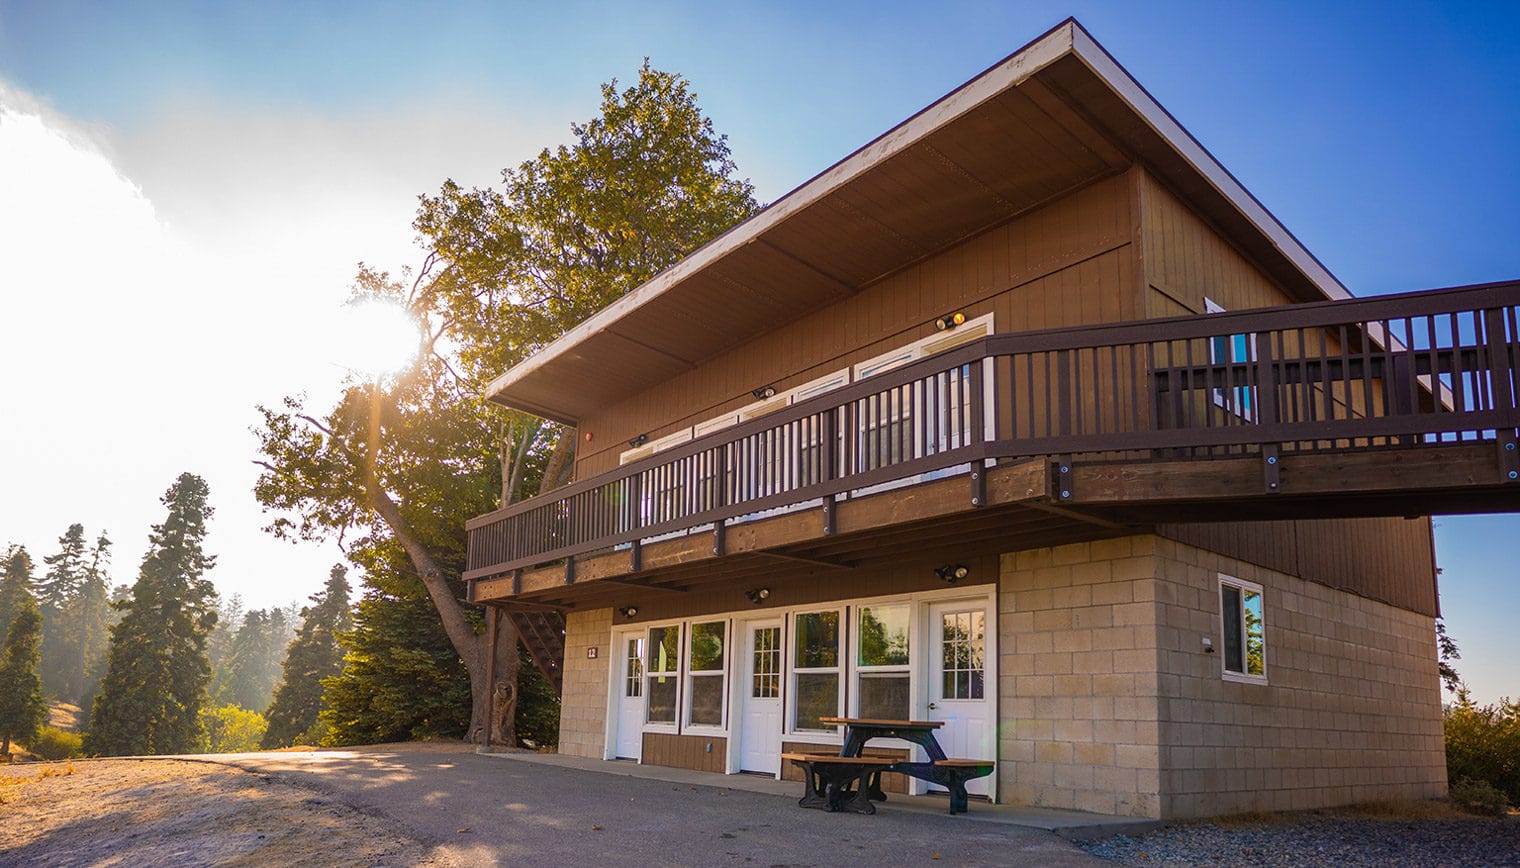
x,y
1242,630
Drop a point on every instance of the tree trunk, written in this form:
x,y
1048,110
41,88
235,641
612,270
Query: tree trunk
x,y
469,645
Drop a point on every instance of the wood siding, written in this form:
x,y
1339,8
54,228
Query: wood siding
x,y
1067,263
704,753
1387,559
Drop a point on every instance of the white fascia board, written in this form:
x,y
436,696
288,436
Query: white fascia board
x,y
1005,74
1159,119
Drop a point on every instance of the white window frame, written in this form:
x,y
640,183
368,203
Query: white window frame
x,y
790,728
689,675
1233,349
1244,675
858,669
674,725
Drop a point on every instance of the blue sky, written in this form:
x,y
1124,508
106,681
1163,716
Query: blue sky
x,y
248,155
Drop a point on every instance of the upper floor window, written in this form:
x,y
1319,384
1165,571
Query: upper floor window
x,y
1231,350
1243,630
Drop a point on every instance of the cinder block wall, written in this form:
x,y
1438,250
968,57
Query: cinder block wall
x,y
1351,711
1078,663
583,708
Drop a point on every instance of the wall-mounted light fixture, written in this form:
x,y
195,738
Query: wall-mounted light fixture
x,y
949,321
757,595
952,573
764,392
639,440
628,611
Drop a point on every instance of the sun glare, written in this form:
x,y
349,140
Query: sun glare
x,y
375,337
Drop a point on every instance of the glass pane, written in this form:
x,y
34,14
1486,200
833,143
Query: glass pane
x,y
766,682
1256,663
1230,604
707,699
817,696
662,699
664,648
707,646
634,683
884,695
818,640
884,636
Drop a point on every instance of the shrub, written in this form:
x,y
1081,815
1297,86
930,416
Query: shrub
x,y
57,744
232,729
1480,797
1483,745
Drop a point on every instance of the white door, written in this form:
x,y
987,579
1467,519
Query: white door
x,y
760,722
960,684
630,694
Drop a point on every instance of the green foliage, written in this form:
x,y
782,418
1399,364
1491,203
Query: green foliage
x,y
312,657
15,583
53,743
644,183
155,684
231,729
1479,797
537,723
1483,744
23,709
401,678
72,596
1447,647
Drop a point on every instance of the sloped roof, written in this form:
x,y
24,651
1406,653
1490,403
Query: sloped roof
x,y
1051,117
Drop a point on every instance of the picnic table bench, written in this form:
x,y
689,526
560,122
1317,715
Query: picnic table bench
x,y
851,780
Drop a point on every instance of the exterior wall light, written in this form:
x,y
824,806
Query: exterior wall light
x,y
628,611
764,392
949,321
757,595
952,573
639,440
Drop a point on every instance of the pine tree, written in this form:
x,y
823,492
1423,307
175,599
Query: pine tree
x,y
252,666
91,618
313,656
155,685
58,597
23,709
15,586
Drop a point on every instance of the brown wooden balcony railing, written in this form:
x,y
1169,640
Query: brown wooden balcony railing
x,y
1406,371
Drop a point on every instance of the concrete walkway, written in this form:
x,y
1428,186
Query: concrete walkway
x,y
523,808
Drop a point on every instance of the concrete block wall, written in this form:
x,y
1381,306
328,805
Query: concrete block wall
x,y
1078,683
1351,711
583,707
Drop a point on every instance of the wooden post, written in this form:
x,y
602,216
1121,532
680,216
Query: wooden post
x,y
493,613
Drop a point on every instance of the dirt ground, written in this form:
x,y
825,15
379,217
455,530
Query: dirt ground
x,y
175,813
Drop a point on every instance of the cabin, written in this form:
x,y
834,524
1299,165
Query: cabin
x,y
1028,418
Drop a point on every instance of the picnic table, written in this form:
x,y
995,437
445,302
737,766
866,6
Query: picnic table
x,y
852,780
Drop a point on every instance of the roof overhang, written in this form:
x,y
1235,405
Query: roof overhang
x,y
1050,118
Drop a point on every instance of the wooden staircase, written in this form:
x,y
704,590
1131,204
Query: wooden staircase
x,y
543,634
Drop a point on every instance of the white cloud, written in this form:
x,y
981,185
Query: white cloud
x,y
157,283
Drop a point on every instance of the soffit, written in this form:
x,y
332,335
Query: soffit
x,y
1051,118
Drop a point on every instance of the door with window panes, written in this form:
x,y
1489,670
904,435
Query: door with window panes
x,y
630,707
959,693
760,713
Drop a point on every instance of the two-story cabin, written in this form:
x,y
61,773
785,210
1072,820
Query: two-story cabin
x,y
970,428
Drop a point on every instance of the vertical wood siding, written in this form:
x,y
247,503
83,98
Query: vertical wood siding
x,y
685,751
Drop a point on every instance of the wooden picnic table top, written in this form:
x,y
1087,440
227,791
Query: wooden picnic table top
x,y
871,721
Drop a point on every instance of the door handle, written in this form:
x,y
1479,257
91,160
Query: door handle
x,y
933,706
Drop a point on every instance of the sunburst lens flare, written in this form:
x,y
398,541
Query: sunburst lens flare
x,y
375,337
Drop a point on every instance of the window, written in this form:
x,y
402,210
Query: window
x,y
962,649
660,678
815,670
765,683
704,675
633,682
1232,350
882,685
1243,630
